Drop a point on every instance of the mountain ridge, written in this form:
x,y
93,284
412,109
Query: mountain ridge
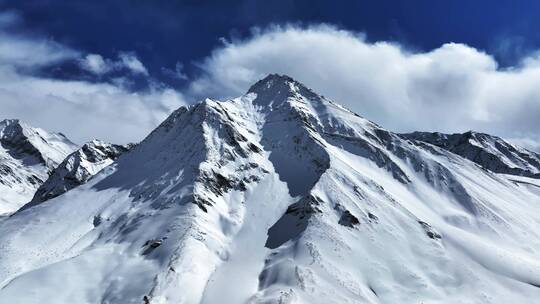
x,y
279,195
27,156
489,151
76,169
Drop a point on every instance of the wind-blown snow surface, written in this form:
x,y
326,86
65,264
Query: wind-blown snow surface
x,y
27,155
279,196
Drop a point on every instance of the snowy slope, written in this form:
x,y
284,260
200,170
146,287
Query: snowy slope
x,y
27,155
278,196
77,169
490,152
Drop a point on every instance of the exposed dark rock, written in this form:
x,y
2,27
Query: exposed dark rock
x,y
348,220
254,148
201,202
429,231
488,151
97,220
73,171
220,184
293,222
150,245
373,217
19,146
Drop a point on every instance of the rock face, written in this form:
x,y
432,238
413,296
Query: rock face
x,y
27,156
490,152
76,169
279,196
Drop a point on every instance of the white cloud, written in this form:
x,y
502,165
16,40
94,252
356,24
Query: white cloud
x,y
527,143
95,64
83,110
9,18
25,52
177,73
131,62
451,89
28,52
80,109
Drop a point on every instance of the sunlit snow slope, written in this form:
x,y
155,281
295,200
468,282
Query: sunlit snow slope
x,y
27,156
77,168
490,152
279,196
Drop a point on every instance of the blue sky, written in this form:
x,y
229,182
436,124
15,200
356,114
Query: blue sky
x,y
164,33
114,69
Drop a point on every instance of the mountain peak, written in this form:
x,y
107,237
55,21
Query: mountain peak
x,y
9,121
21,140
271,81
27,156
275,89
301,199
10,128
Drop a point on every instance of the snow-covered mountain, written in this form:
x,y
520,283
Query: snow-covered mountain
x,y
490,152
27,156
77,168
279,196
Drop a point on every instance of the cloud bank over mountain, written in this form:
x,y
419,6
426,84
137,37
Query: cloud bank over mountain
x,y
453,88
